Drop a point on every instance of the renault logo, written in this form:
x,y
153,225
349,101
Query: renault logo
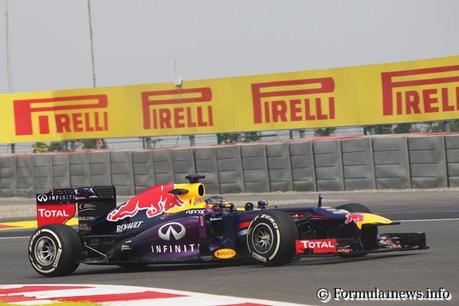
x,y
42,198
172,229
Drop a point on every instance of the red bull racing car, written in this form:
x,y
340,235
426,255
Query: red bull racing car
x,y
171,223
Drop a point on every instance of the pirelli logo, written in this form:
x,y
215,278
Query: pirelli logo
x,y
294,100
418,91
177,108
70,114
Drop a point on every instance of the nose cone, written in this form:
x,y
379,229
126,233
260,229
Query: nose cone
x,y
372,219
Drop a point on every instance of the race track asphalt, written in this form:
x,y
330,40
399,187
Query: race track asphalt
x,y
435,213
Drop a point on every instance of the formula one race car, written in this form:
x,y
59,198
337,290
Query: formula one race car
x,y
171,223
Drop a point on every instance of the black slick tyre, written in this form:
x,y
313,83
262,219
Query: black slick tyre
x,y
54,250
355,207
271,238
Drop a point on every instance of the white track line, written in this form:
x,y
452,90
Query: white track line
x,y
184,298
14,237
428,220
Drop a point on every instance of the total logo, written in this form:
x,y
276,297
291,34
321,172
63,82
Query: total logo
x,y
54,213
316,246
312,244
171,230
50,213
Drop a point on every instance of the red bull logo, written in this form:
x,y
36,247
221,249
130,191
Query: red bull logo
x,y
154,201
352,217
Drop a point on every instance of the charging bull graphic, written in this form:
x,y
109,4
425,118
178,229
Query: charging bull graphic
x,y
154,201
353,217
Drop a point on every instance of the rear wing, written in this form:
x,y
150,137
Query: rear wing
x,y
59,206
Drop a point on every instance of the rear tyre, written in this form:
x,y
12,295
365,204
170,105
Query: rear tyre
x,y
271,238
355,207
55,250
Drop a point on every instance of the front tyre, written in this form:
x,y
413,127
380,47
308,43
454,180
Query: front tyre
x,y
55,250
271,238
355,207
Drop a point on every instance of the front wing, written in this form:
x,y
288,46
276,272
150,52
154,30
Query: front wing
x,y
353,246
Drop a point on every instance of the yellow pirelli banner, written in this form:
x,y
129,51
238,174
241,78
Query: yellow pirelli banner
x,y
415,91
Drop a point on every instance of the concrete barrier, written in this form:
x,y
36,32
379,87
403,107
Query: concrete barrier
x,y
206,164
303,168
452,159
162,167
229,165
122,174
255,168
42,173
329,165
142,167
61,170
392,168
182,164
99,168
427,162
25,186
8,187
79,169
279,167
363,163
358,165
